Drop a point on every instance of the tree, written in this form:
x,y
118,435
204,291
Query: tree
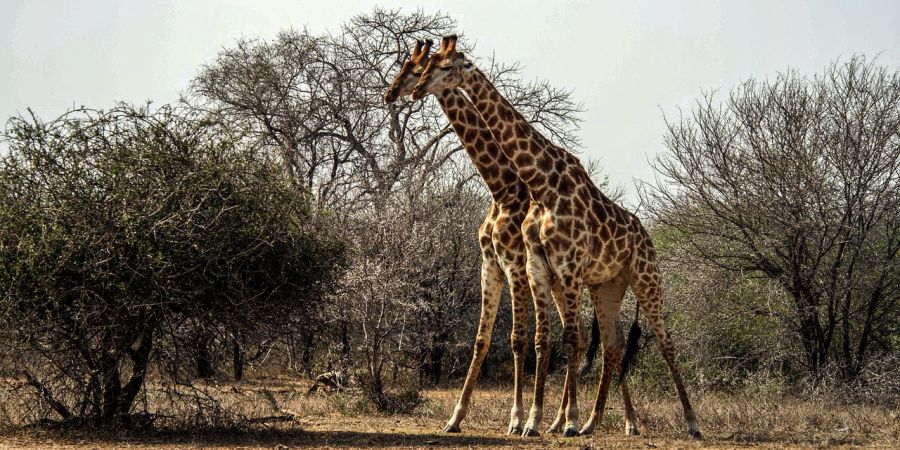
x,y
796,180
317,101
121,229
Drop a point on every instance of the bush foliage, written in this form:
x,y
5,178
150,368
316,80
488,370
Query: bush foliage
x,y
121,228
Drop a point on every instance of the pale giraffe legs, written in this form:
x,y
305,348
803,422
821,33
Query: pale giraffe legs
x,y
631,420
539,282
567,415
491,285
651,304
567,304
557,424
520,292
607,300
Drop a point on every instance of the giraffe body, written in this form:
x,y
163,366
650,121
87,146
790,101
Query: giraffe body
x,y
575,236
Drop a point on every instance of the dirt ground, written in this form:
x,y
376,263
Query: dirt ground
x,y
331,421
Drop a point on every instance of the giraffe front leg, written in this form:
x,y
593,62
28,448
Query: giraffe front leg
x,y
539,282
520,293
491,284
542,356
570,339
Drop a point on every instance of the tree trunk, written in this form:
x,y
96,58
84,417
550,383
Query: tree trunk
x,y
345,344
307,353
140,360
812,336
112,390
809,336
237,359
865,334
202,357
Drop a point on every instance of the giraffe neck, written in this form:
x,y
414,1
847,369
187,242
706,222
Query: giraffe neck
x,y
537,162
490,162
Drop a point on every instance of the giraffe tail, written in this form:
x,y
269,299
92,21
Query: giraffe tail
x,y
587,363
631,345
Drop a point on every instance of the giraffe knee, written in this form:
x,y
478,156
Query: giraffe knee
x,y
571,341
542,343
612,357
518,342
481,345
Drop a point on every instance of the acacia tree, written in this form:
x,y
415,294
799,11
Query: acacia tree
x,y
121,228
796,180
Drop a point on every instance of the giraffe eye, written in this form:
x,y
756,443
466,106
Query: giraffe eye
x,y
445,68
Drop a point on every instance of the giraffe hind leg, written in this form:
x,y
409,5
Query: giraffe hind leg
x,y
557,425
607,301
539,282
648,296
631,421
560,419
568,293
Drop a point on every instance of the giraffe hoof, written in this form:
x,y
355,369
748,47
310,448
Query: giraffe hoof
x,y
554,429
570,432
585,431
452,429
632,431
696,434
514,431
530,432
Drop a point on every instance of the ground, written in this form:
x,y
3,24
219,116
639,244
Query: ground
x,y
332,421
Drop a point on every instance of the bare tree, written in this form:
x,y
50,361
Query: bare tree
x,y
796,180
318,102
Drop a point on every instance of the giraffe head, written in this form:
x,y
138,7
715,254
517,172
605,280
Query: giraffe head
x,y
444,70
410,72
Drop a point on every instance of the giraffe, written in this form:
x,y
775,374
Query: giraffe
x,y
403,85
583,239
500,237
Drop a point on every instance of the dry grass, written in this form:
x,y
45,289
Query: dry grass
x,y
334,421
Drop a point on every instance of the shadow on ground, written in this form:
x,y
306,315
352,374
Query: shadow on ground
x,y
269,438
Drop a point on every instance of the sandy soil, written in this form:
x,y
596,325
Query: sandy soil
x,y
323,421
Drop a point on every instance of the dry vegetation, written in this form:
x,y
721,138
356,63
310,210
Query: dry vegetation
x,y
337,421
336,234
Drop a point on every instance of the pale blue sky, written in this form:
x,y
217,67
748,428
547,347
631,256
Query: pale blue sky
x,y
628,62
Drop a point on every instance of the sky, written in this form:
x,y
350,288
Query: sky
x,y
628,63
